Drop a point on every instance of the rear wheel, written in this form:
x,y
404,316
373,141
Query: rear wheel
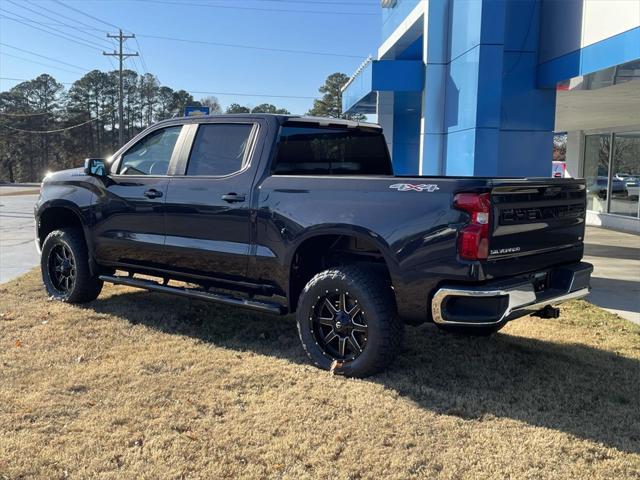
x,y
65,267
347,321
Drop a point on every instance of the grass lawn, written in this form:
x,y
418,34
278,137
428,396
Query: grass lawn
x,y
141,385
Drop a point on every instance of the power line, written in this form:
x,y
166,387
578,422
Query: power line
x,y
144,64
65,24
44,56
38,63
86,14
87,25
272,10
58,130
113,65
144,67
251,47
45,31
51,33
54,24
135,67
232,45
88,42
200,92
27,80
92,27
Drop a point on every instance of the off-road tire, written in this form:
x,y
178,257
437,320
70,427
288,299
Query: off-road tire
x,y
375,297
86,287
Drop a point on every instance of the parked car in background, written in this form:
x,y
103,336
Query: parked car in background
x,y
631,185
633,190
598,186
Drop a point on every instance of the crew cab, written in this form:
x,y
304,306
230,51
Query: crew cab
x,y
299,215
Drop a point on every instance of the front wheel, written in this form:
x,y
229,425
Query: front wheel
x,y
65,267
347,321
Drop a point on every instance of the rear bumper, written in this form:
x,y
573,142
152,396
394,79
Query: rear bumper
x,y
499,302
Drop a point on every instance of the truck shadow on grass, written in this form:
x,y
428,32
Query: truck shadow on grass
x,y
589,393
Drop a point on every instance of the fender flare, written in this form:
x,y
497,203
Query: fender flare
x,y
81,216
346,230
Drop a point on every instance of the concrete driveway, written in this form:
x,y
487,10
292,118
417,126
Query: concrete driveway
x,y
616,276
18,253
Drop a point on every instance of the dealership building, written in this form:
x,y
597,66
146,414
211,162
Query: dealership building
x,y
480,87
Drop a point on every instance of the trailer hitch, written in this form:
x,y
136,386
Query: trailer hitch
x,y
547,312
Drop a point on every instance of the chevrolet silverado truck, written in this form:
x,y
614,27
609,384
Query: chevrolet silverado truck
x,y
304,216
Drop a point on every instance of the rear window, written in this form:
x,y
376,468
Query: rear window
x,y
315,150
219,149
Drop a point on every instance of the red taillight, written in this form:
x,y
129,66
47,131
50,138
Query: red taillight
x,y
473,240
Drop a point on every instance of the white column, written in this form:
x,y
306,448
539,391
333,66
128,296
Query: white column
x,y
575,154
435,52
385,117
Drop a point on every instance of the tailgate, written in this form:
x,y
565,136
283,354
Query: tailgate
x,y
536,216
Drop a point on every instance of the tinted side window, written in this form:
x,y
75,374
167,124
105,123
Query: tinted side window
x,y
219,149
152,154
316,150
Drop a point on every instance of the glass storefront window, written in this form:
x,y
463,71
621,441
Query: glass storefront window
x,y
626,174
624,183
596,171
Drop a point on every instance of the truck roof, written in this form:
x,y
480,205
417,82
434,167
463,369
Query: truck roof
x,y
323,121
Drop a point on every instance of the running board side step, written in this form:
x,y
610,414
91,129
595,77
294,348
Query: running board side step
x,y
265,307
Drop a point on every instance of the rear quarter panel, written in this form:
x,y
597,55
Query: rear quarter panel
x,y
414,230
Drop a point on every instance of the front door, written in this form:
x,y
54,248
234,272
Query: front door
x,y
130,223
208,206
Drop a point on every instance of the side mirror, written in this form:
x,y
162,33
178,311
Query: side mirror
x,y
95,167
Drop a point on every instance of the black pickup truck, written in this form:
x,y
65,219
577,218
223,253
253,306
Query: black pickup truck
x,y
286,214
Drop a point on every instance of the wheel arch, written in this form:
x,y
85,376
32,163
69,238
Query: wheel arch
x,y
327,246
58,215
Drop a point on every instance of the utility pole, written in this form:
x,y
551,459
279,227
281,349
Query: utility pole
x,y
121,56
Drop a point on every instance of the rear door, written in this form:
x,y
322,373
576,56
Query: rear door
x,y
537,219
130,223
208,200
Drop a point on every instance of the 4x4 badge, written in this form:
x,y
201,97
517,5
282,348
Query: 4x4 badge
x,y
409,187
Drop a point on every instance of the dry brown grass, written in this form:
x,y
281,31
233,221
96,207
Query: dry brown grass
x,y
140,385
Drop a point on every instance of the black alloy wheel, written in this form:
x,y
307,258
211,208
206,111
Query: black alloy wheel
x,y
62,268
339,325
64,263
348,321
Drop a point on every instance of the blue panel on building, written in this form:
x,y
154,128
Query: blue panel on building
x,y
398,75
406,137
525,107
383,75
612,51
462,91
522,25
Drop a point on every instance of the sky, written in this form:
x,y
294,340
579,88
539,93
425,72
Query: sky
x,y
347,30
